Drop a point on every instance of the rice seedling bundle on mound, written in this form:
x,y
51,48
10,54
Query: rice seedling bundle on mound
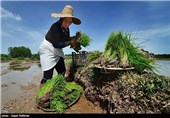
x,y
57,94
122,48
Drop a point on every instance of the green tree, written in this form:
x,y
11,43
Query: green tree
x,y
21,51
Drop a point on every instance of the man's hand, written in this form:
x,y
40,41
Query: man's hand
x,y
73,43
77,48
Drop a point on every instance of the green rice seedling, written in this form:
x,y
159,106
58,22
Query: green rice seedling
x,y
116,47
72,85
139,61
59,106
62,93
84,40
71,91
50,85
121,46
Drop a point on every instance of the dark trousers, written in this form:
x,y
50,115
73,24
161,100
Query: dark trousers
x,y
60,68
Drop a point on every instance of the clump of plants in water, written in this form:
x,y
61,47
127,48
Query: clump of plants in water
x,y
121,47
57,94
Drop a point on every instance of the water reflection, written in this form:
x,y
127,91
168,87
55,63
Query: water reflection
x,y
39,65
12,83
162,67
19,68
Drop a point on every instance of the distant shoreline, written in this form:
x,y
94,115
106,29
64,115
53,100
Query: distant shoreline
x,y
165,59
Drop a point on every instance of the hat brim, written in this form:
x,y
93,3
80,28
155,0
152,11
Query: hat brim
x,y
74,19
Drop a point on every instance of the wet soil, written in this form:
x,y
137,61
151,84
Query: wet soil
x,y
21,99
26,104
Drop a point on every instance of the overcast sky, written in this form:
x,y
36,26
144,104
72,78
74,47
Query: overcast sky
x,y
25,23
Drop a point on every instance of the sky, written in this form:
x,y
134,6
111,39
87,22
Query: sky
x,y
25,23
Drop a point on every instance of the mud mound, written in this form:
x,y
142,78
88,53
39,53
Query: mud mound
x,y
124,91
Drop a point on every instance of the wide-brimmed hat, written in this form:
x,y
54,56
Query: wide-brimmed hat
x,y
67,12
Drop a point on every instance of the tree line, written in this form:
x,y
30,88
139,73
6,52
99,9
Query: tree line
x,y
162,55
22,52
19,53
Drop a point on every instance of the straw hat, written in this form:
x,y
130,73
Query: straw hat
x,y
67,12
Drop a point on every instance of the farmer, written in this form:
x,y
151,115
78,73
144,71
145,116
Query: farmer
x,y
57,37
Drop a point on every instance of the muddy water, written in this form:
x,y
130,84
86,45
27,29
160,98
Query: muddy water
x,y
163,67
18,90
13,82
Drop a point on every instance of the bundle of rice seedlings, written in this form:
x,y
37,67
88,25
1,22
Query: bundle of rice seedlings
x,y
84,40
57,94
121,46
116,47
50,85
